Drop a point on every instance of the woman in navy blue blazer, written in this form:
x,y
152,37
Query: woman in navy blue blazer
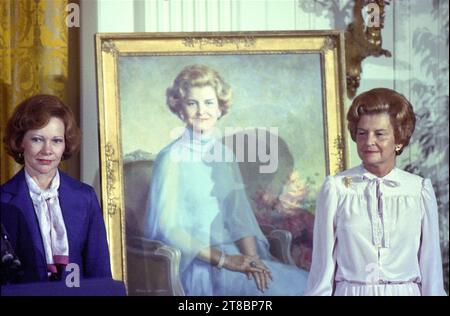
x,y
52,219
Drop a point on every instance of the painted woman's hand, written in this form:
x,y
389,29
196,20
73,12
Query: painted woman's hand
x,y
262,279
245,264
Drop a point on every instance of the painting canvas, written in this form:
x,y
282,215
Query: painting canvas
x,y
287,84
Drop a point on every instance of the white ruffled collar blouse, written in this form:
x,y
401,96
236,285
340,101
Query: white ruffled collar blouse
x,y
376,236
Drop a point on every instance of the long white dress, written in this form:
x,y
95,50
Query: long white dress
x,y
198,202
376,236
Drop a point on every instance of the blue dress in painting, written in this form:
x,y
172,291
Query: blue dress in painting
x,y
198,200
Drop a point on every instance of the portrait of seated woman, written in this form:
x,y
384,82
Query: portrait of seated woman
x,y
200,206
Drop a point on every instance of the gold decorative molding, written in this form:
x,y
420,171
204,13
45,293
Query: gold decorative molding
x,y
329,44
363,40
110,48
110,180
339,142
200,42
148,45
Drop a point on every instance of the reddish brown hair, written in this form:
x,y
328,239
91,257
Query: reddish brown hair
x,y
383,100
34,113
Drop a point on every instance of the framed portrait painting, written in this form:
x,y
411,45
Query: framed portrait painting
x,y
284,124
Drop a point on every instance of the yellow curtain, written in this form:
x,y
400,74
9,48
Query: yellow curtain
x,y
34,58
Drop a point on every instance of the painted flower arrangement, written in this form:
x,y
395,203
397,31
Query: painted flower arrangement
x,y
287,211
288,202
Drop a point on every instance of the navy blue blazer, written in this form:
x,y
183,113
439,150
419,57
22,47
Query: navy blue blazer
x,y
83,219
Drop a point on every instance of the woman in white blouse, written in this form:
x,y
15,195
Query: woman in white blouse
x,y
376,230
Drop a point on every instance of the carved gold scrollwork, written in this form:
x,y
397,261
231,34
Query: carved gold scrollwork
x,y
340,146
200,42
330,43
110,48
363,40
110,180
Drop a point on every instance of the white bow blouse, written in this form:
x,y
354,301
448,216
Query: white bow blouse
x,y
51,222
376,236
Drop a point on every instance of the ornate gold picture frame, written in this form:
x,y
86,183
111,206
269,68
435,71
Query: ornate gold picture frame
x,y
293,80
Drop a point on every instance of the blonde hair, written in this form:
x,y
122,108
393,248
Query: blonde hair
x,y
197,76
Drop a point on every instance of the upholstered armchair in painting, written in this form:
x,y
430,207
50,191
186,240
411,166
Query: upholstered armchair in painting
x,y
152,266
